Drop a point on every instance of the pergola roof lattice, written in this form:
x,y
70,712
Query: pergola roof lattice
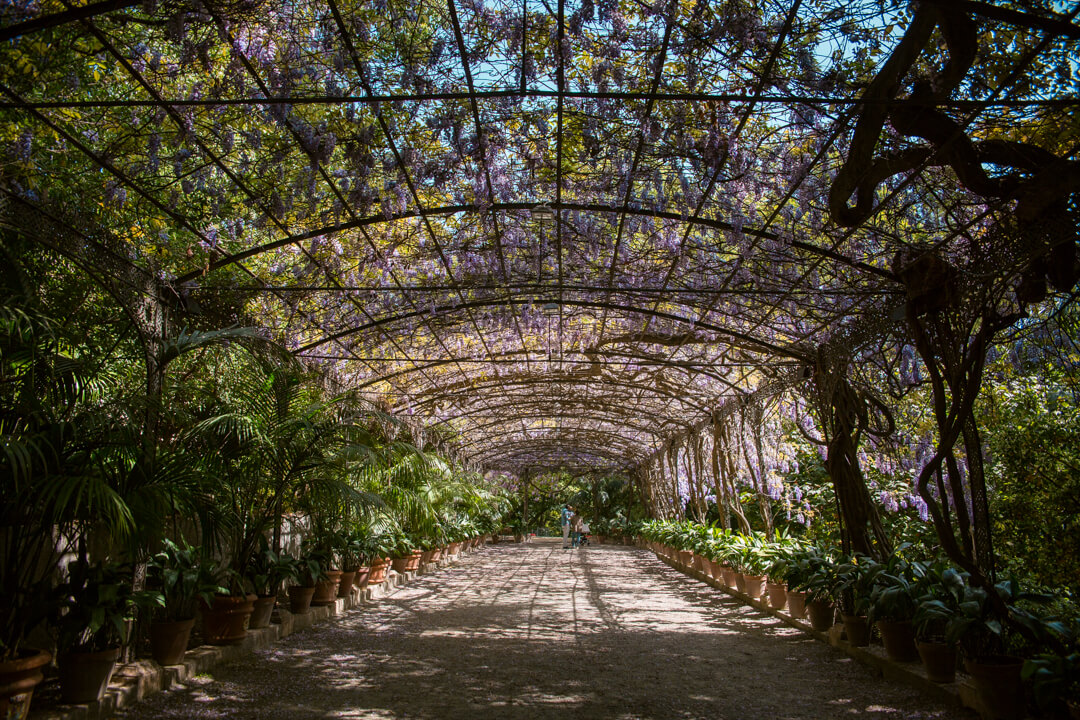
x,y
565,231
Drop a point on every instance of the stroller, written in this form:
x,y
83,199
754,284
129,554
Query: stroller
x,y
581,535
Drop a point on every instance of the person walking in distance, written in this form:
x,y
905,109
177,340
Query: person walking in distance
x,y
576,525
564,520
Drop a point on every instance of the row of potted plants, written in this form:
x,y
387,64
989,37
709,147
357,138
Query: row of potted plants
x,y
922,611
92,612
98,604
216,434
616,531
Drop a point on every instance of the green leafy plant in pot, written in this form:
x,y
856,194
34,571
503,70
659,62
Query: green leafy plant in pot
x,y
813,572
941,590
982,626
226,615
323,546
351,549
181,575
309,571
892,606
1054,674
405,553
380,546
268,573
96,603
752,561
856,577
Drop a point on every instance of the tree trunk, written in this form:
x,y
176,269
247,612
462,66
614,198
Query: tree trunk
x,y
842,415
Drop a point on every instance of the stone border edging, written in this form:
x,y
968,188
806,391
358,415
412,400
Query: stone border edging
x,y
134,681
961,693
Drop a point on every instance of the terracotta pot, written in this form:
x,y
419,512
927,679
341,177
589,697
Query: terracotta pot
x,y
436,555
326,590
939,659
378,571
362,575
796,603
84,676
686,558
755,585
740,582
300,598
698,563
455,547
777,595
627,540
262,612
346,583
821,614
169,640
425,558
18,678
406,563
226,621
898,637
997,679
731,578
857,630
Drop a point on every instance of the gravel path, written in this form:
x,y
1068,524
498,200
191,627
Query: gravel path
x,y
535,631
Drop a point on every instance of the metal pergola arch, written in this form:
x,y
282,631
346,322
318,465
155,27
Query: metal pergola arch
x,y
383,215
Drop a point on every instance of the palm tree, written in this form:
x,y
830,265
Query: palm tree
x,y
277,445
61,439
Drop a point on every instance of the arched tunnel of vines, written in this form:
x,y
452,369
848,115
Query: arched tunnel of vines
x,y
539,358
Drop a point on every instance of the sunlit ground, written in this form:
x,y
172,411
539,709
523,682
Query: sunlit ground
x,y
535,631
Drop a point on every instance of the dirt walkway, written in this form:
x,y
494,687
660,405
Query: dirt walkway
x,y
534,631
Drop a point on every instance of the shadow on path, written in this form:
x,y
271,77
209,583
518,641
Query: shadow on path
x,y
535,631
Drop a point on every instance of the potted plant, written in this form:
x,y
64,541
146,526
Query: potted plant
x,y
179,574
96,603
22,609
267,574
380,546
309,572
1054,674
322,547
856,577
405,554
892,607
752,562
777,557
725,552
352,550
226,615
814,573
982,628
937,607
